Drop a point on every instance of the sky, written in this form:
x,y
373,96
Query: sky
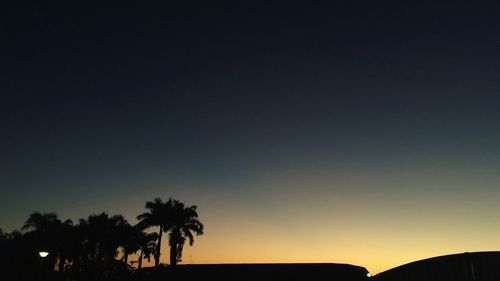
x,y
361,132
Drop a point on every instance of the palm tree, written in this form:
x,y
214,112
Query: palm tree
x,y
147,246
49,233
136,240
131,242
63,245
184,223
103,235
158,215
41,222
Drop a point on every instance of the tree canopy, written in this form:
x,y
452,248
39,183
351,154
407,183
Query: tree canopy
x,y
96,247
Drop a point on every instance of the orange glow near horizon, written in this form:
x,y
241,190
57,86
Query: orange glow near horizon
x,y
379,252
375,232
375,220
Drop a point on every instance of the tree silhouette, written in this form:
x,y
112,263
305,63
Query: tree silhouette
x,y
89,250
48,232
64,243
184,222
147,243
18,254
100,237
131,241
103,235
137,241
158,215
41,222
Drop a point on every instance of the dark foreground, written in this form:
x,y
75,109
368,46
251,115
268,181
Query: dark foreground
x,y
479,266
261,272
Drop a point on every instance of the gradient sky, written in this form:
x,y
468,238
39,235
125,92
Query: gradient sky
x,y
364,133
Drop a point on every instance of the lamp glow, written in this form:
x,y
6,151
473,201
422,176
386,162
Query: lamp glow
x,y
43,254
368,274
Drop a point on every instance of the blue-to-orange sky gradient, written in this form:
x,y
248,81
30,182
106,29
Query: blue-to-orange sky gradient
x,y
365,133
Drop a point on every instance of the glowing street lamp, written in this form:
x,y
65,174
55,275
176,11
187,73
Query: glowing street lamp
x,y
43,254
368,275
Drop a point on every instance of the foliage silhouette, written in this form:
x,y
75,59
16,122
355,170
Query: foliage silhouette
x,y
147,246
48,233
174,217
98,239
97,247
158,215
184,223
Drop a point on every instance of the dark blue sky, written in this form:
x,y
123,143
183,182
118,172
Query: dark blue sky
x,y
113,104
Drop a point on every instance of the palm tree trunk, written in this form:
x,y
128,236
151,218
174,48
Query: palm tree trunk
x,y
158,247
140,261
179,251
173,253
62,260
125,258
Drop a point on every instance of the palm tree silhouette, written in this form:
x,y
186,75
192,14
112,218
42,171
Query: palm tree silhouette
x,y
175,218
184,222
41,223
147,246
64,243
103,235
136,240
159,214
49,232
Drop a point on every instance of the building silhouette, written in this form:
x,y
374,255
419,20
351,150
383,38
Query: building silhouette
x,y
261,272
478,266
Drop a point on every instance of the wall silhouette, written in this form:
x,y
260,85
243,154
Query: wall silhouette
x,y
261,272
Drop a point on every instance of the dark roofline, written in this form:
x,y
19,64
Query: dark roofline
x,y
257,271
344,265
443,257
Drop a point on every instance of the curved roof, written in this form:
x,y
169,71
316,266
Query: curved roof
x,y
456,267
